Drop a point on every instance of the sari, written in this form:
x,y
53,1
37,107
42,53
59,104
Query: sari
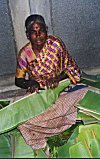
x,y
50,62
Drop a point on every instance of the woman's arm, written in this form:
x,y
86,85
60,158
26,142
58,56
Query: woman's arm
x,y
69,65
53,82
30,85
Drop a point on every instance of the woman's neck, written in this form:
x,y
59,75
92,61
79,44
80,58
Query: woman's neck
x,y
37,49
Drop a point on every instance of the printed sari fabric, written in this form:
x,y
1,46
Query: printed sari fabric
x,y
51,61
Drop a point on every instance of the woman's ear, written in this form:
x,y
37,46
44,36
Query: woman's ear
x,y
47,28
27,34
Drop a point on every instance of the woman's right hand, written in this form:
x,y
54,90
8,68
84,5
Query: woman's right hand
x,y
33,87
52,83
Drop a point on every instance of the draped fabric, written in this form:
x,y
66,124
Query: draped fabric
x,y
56,119
50,62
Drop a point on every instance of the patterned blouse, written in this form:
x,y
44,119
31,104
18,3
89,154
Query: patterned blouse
x,y
50,62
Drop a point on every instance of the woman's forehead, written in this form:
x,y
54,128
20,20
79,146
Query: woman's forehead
x,y
37,24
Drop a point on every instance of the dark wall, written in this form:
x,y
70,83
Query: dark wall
x,y
7,45
77,22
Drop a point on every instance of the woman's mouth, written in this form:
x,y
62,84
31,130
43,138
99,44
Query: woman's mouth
x,y
39,41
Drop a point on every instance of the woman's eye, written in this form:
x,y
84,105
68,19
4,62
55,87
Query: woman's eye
x,y
33,32
42,31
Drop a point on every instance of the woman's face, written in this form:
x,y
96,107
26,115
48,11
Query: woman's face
x,y
37,34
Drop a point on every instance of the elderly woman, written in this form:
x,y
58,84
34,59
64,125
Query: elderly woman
x,y
45,58
46,61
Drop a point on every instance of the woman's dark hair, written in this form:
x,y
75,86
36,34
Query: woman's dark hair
x,y
34,18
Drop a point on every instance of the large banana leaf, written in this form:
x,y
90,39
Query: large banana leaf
x,y
87,139
81,149
94,115
90,102
89,110
28,107
12,145
84,142
86,119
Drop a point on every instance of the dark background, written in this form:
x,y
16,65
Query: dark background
x,y
77,22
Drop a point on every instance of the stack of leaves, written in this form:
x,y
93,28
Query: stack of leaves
x,y
83,143
79,141
85,139
91,80
89,107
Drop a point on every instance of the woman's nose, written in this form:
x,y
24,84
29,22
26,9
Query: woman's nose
x,y
38,34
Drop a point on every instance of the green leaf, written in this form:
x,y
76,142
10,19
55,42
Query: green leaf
x,y
90,102
91,77
63,151
93,128
82,142
79,151
5,150
91,83
28,107
95,147
12,145
92,80
40,153
87,138
4,103
86,119
92,115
